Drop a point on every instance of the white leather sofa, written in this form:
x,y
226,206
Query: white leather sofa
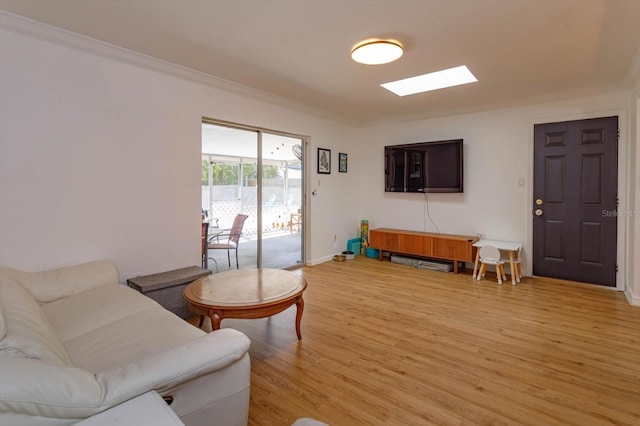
x,y
75,342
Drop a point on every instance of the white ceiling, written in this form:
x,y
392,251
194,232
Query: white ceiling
x,y
230,144
521,51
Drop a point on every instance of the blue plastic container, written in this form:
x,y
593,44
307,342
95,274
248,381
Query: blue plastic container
x,y
371,252
354,246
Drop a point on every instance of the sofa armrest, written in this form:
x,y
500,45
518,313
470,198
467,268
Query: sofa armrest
x,y
47,286
34,388
164,372
31,387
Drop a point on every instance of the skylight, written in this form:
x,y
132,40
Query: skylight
x,y
431,81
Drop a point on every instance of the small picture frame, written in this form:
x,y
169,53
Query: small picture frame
x,y
324,161
342,162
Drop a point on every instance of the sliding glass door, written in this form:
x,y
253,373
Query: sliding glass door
x,y
281,201
257,174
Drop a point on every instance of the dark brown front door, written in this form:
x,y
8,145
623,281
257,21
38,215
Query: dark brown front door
x,y
574,200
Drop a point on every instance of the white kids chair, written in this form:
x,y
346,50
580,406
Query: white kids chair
x,y
489,255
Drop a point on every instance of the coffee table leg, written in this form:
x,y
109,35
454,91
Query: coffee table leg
x,y
300,308
215,321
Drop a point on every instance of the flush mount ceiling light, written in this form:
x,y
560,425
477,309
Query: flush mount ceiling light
x,y
376,51
432,81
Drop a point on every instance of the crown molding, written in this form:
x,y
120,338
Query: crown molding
x,y
59,36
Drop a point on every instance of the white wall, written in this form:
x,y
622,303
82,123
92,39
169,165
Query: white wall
x,y
498,153
101,159
633,290
72,121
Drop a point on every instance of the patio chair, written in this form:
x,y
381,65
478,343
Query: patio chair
x,y
295,219
233,237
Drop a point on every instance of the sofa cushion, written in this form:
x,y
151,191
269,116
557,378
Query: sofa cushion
x,y
28,333
114,325
92,309
140,335
47,286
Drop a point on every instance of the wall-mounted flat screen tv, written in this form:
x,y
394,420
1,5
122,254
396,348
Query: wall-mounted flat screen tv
x,y
424,167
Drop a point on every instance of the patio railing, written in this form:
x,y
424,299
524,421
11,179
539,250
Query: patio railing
x,y
277,206
274,218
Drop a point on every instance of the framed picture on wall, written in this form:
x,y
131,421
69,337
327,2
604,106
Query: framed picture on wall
x,y
324,161
342,162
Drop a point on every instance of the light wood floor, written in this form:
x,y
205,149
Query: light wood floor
x,y
388,344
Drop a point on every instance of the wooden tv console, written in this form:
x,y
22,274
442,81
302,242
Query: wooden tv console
x,y
457,248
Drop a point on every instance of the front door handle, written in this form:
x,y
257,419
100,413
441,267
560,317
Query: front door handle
x,y
537,212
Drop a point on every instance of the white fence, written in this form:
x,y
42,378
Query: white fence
x,y
230,200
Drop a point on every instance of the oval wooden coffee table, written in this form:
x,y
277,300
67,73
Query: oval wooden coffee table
x,y
246,294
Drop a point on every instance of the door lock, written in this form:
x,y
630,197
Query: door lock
x,y
538,202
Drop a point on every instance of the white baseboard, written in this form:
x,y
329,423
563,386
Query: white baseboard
x,y
319,261
633,299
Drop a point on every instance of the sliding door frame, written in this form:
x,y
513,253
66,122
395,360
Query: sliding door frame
x,y
304,141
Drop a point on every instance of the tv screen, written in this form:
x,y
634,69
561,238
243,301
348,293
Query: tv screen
x,y
424,167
